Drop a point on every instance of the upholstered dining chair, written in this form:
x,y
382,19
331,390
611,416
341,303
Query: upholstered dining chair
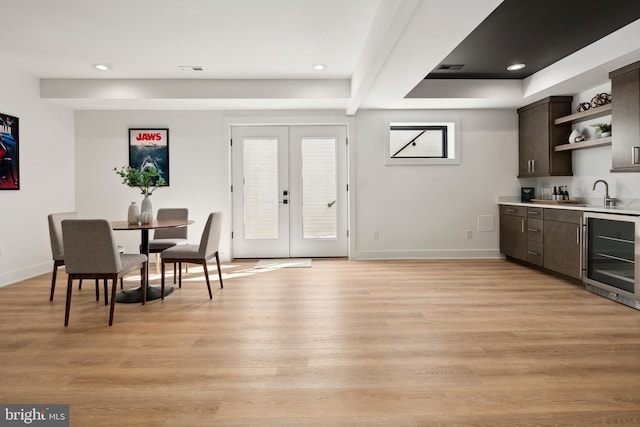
x,y
164,238
90,252
57,249
197,254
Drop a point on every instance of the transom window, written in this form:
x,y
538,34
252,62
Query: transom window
x,y
427,143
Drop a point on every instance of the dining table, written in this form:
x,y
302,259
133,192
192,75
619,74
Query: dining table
x,y
153,292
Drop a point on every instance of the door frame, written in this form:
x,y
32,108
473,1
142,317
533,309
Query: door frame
x,y
321,119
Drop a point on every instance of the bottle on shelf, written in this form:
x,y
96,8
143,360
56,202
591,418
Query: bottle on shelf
x,y
566,193
554,195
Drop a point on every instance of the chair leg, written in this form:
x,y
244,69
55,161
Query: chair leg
x,y
80,284
206,276
174,271
219,271
56,264
179,275
114,288
68,304
106,291
157,262
98,290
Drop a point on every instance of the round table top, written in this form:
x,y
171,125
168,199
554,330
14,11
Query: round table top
x,y
156,223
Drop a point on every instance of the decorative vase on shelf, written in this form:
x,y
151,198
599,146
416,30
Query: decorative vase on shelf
x,y
133,215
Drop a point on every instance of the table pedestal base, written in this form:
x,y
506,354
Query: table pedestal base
x,y
135,295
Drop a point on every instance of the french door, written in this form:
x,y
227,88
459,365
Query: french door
x,y
289,191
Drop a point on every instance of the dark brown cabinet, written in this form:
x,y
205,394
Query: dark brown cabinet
x,y
563,241
547,237
538,137
513,231
535,237
625,119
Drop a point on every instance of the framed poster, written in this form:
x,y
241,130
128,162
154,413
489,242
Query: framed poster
x,y
9,149
150,147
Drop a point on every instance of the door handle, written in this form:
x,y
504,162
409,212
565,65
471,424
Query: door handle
x,y
331,204
635,155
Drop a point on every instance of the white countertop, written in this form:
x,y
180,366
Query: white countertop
x,y
622,209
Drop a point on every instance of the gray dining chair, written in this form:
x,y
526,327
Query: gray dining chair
x,y
57,250
91,252
197,254
164,238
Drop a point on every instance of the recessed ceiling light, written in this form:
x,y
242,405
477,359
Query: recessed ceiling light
x,y
515,67
319,67
101,67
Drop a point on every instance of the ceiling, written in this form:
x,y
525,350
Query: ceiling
x,y
258,55
536,33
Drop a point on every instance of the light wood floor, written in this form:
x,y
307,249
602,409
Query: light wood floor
x,y
343,343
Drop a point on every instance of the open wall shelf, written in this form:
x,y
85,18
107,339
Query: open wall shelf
x,y
584,144
591,113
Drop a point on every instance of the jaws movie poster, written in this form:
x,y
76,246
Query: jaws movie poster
x,y
150,147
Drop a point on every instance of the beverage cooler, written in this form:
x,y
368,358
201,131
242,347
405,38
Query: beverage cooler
x,y
612,257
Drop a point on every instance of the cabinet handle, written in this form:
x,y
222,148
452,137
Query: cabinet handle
x,y
535,230
534,253
635,155
523,225
533,166
578,235
511,210
529,166
533,213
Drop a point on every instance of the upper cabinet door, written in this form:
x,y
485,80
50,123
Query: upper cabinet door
x,y
625,119
538,137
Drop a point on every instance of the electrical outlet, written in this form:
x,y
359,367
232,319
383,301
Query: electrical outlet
x,y
467,234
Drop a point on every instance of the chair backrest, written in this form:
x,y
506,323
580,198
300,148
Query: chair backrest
x,y
210,235
55,232
90,247
173,232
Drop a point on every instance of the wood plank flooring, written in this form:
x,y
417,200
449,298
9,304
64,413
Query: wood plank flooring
x,y
343,343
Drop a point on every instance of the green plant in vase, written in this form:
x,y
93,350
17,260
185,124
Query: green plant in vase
x,y
603,129
147,179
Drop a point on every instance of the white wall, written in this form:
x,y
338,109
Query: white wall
x,y
198,167
424,211
46,178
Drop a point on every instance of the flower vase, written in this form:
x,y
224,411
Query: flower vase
x,y
133,215
146,211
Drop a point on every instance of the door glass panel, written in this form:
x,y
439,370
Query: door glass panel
x,y
319,211
261,189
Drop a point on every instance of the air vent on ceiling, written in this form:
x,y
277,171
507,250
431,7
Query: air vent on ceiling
x,y
191,67
450,67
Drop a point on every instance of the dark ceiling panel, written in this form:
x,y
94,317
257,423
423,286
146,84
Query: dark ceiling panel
x,y
535,32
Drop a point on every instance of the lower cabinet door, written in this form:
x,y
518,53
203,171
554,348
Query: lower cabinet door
x,y
563,248
513,236
535,253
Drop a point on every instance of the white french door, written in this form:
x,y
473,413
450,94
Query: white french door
x,y
289,191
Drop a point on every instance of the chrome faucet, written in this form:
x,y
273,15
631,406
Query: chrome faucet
x,y
608,201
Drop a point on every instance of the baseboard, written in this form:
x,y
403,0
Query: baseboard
x,y
25,273
428,254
